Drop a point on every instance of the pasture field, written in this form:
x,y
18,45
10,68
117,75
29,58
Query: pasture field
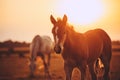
x,y
16,68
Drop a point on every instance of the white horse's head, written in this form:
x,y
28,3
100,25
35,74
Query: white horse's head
x,y
32,66
32,61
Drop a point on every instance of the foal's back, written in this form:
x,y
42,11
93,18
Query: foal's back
x,y
97,39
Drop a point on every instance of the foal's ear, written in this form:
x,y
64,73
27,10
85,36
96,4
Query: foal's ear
x,y
64,18
52,19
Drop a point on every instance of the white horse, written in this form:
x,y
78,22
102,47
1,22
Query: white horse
x,y
41,46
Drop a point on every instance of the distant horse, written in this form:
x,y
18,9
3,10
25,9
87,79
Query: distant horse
x,y
40,46
81,49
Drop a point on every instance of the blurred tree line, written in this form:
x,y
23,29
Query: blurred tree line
x,y
116,42
10,43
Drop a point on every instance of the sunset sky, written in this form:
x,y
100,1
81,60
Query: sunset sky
x,y
21,20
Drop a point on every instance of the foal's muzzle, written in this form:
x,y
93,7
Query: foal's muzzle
x,y
57,49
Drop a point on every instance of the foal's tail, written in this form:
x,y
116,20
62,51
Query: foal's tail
x,y
107,47
106,54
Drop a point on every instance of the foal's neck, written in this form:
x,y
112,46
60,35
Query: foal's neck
x,y
71,35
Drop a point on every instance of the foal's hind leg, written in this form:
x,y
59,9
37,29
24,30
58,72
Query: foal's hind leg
x,y
106,62
91,69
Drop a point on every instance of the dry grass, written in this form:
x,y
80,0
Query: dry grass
x,y
13,67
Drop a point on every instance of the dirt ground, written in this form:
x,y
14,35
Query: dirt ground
x,y
15,68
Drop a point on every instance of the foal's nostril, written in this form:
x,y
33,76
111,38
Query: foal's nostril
x,y
57,49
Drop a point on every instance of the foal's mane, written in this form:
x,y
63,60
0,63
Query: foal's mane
x,y
70,28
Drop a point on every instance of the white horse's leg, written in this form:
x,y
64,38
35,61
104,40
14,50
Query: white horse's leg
x,y
68,70
49,57
46,67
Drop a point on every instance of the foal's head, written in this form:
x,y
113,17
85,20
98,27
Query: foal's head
x,y
59,32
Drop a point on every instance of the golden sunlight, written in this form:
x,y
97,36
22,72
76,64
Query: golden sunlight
x,y
81,12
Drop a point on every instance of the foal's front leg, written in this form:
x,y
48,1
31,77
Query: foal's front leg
x,y
68,70
83,68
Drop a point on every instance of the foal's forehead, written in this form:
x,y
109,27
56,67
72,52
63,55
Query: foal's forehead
x,y
55,29
59,22
59,25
